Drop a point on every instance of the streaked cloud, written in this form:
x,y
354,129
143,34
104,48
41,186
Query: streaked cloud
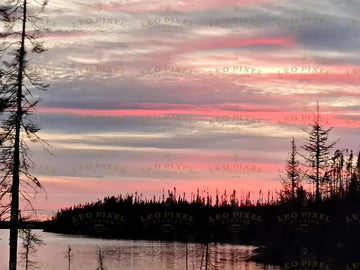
x,y
139,83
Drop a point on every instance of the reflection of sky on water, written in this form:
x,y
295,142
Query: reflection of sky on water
x,y
130,254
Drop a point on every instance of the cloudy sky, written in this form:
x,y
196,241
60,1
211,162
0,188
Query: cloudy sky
x,y
148,95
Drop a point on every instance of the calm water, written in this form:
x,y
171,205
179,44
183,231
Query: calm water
x,y
129,254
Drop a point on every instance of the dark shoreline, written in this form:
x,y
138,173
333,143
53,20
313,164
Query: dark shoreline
x,y
286,235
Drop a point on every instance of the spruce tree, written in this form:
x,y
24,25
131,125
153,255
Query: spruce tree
x,y
19,20
30,241
317,153
354,186
292,180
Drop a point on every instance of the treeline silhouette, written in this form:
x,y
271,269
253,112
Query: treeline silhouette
x,y
283,227
142,218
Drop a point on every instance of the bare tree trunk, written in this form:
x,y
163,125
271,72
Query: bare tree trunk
x,y
317,196
186,254
14,220
202,256
69,257
207,256
101,265
27,258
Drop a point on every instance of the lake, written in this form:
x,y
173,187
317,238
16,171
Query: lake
x,y
131,254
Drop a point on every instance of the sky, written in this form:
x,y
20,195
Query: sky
x,y
151,95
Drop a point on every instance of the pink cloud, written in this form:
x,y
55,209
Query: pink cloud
x,y
234,42
217,115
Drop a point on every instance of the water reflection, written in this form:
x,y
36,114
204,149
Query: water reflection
x,y
135,255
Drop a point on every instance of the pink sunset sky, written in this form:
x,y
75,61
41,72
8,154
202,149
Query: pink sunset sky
x,y
151,95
